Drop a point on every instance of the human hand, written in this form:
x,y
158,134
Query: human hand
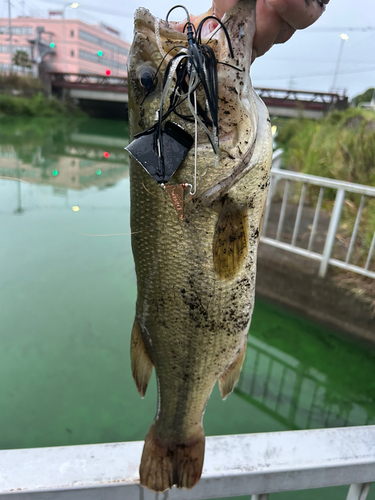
x,y
276,20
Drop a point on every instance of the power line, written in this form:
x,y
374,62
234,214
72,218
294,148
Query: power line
x,y
35,8
342,29
317,60
115,13
312,75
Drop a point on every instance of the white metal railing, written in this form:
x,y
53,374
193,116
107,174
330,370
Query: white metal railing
x,y
325,255
248,464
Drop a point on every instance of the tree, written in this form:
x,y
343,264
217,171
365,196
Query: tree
x,y
365,97
21,58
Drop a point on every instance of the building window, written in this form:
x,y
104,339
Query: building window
x,y
23,48
16,69
72,53
88,37
72,33
88,56
16,30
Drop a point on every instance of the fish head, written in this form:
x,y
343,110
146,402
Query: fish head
x,y
155,43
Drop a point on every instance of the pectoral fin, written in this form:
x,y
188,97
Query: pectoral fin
x,y
140,361
230,241
229,379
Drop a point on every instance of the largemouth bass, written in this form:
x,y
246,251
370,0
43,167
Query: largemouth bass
x,y
195,271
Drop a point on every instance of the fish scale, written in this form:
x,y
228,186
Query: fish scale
x,y
196,274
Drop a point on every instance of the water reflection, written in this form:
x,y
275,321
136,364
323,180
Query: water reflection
x,y
65,155
297,395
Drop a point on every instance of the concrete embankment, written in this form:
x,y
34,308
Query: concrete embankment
x,y
293,282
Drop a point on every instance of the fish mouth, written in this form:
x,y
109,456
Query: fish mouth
x,y
231,48
143,18
175,31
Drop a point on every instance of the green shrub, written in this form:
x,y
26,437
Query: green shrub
x,y
340,146
18,82
37,105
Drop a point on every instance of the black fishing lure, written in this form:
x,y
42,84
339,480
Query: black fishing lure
x,y
160,150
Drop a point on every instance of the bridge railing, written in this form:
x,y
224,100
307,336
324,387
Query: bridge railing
x,y
83,79
292,223
248,464
327,100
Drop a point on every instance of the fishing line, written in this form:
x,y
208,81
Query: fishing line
x,y
193,191
57,217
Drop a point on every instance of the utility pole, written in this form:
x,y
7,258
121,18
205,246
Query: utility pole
x,y
10,38
291,82
344,37
23,7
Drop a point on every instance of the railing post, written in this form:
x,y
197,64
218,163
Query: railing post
x,y
358,491
263,496
333,225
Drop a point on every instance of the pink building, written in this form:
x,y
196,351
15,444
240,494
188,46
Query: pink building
x,y
66,45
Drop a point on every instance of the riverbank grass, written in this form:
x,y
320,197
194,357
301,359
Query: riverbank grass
x,y
36,105
342,147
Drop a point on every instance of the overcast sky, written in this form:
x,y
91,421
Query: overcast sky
x,y
307,61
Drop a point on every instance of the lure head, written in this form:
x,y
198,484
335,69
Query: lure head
x,y
155,43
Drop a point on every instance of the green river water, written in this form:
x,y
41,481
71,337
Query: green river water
x,y
67,307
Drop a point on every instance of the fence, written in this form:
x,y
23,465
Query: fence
x,y
249,464
324,225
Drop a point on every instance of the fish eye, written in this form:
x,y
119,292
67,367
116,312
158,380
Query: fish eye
x,y
146,79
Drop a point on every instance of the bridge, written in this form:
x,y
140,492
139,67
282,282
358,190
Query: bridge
x,y
280,102
294,103
90,87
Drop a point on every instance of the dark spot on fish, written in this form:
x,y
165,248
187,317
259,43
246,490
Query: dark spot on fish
x,y
183,290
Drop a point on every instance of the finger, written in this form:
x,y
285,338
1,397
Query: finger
x,y
285,32
220,7
298,13
268,28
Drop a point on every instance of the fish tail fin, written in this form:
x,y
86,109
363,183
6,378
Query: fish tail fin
x,y
140,361
164,464
229,379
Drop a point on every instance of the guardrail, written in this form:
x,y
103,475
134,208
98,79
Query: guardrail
x,y
248,464
289,240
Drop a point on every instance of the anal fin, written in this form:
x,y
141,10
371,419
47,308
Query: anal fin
x,y
229,379
140,361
